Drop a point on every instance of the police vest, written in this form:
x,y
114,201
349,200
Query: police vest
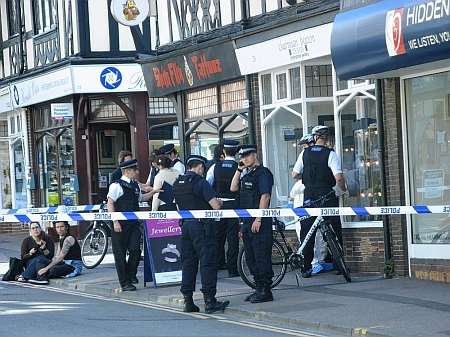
x,y
129,201
74,252
185,197
316,173
154,171
223,175
176,160
249,194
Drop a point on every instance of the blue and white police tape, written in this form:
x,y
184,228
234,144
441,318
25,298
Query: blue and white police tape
x,y
236,213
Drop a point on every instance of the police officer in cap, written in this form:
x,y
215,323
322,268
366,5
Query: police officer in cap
x,y
170,151
254,183
219,177
320,169
125,195
198,240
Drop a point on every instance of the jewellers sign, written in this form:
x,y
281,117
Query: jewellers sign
x,y
390,35
199,68
163,250
295,47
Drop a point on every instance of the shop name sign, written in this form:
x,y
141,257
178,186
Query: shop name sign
x,y
295,47
390,35
399,20
192,70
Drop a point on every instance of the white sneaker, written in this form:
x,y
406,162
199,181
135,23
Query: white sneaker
x,y
21,279
38,281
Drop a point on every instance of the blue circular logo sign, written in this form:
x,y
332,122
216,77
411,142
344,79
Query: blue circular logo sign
x,y
111,78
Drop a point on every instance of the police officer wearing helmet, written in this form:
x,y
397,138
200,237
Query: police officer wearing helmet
x,y
170,151
320,168
254,183
125,195
307,140
219,176
198,239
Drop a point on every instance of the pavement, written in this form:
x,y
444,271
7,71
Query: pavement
x,y
369,306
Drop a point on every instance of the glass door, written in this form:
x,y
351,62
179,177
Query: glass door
x,y
19,174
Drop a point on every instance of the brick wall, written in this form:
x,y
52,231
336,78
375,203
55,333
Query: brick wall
x,y
431,269
393,163
13,227
364,249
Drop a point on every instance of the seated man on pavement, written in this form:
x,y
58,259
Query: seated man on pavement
x,y
36,252
67,259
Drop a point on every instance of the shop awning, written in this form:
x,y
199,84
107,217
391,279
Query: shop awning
x,y
388,37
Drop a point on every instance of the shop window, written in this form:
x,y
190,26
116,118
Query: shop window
x,y
428,135
282,129
360,156
12,125
266,85
102,109
319,81
204,138
45,15
43,120
202,103
232,96
161,106
281,86
19,124
295,82
19,174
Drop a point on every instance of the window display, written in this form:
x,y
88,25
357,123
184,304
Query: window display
x,y
428,129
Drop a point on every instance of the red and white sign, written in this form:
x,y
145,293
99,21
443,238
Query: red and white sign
x,y
395,41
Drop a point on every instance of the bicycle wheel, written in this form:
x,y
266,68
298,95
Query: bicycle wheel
x,y
279,266
338,255
94,248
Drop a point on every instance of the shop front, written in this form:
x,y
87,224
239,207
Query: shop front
x,y
207,92
409,41
14,161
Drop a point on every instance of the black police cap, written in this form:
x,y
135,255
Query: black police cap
x,y
166,149
193,158
245,150
129,164
230,143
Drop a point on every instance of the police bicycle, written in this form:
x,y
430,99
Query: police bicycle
x,y
95,243
283,255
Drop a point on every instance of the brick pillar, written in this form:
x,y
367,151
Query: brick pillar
x,y
394,171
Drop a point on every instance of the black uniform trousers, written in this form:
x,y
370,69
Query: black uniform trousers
x,y
258,251
129,240
333,201
228,230
198,244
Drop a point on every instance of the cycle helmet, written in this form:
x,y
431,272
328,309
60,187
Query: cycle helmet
x,y
321,131
307,139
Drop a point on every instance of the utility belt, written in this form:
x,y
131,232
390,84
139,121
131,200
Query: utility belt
x,y
200,222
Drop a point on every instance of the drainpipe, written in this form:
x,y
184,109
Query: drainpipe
x,y
251,125
388,263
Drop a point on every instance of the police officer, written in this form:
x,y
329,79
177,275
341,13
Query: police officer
x,y
254,183
198,240
125,195
170,151
219,176
321,171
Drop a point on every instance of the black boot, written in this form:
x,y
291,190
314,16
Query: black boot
x,y
249,297
263,294
189,305
212,305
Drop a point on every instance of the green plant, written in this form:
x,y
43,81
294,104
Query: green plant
x,y
389,269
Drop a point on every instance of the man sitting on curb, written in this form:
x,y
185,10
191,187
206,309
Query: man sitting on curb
x,y
67,260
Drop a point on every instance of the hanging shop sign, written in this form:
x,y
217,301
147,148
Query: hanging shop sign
x,y
130,12
291,48
390,35
5,100
163,250
61,111
191,70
